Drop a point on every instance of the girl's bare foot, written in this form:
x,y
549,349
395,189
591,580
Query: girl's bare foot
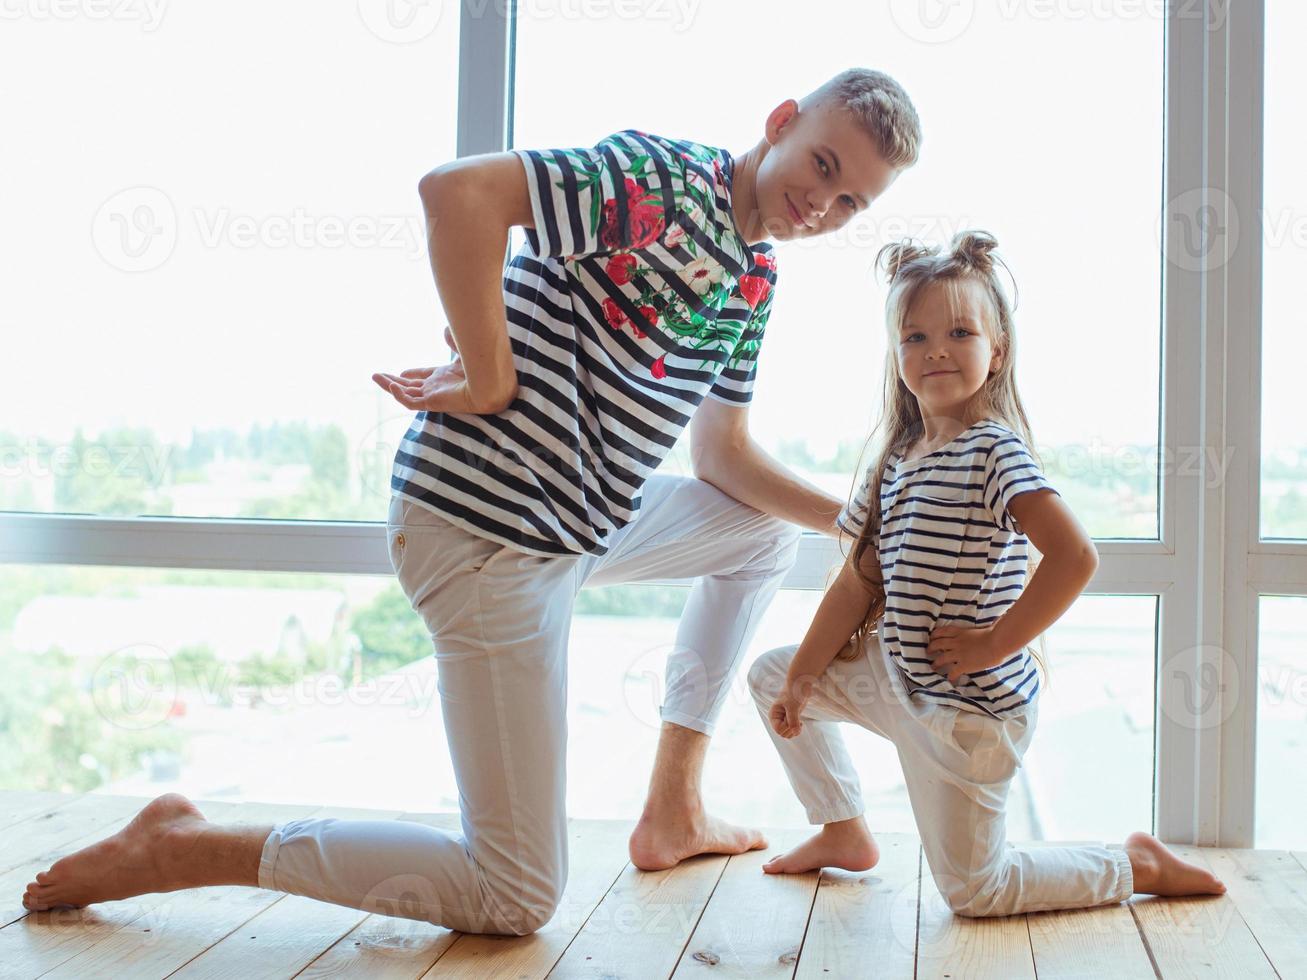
x,y
142,857
846,844
1158,871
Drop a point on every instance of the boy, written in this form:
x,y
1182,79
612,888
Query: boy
x,y
639,303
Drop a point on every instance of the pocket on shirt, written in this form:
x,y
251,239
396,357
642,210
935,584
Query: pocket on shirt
x,y
938,488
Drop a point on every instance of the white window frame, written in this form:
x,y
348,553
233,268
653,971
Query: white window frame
x,y
1208,569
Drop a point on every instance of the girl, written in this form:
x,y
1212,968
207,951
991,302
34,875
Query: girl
x,y
932,598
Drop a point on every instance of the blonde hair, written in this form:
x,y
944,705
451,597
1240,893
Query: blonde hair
x,y
910,268
880,106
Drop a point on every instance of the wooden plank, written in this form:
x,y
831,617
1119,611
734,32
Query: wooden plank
x,y
383,947
755,922
1084,944
16,807
153,935
40,941
597,855
866,918
1199,937
54,827
951,945
1270,890
643,923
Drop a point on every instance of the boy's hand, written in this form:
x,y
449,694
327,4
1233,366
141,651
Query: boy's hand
x,y
957,650
437,389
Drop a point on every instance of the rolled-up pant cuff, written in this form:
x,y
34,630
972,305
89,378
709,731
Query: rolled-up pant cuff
x,y
835,812
688,721
268,859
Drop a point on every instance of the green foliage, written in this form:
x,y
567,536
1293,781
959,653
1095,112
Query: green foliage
x,y
661,601
390,632
269,670
55,736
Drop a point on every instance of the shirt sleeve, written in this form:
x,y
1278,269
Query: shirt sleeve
x,y
1010,471
618,194
854,515
750,301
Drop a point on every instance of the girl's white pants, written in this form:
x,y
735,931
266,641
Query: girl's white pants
x,y
499,620
957,764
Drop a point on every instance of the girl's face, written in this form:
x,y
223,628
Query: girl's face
x,y
944,351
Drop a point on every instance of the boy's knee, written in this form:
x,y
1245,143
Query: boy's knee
x,y
531,918
521,915
788,538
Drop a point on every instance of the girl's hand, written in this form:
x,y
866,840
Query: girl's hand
x,y
784,715
957,650
434,389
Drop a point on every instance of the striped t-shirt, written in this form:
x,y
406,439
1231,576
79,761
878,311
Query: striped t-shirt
x,y
634,298
951,552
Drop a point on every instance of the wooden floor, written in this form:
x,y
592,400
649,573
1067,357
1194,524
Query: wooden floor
x,y
712,916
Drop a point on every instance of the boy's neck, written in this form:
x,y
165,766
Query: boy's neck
x,y
744,194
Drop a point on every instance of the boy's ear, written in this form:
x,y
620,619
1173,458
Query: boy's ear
x,y
781,118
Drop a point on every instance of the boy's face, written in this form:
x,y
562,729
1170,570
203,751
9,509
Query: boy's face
x,y
821,170
944,349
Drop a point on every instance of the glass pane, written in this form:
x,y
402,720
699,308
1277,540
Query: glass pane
x,y
1281,722
1092,759
1006,155
137,682
1284,264
217,240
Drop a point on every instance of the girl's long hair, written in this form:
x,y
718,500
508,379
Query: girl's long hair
x,y
910,267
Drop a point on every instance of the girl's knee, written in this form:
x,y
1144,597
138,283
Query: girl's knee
x,y
767,674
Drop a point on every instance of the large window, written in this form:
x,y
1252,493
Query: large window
x,y
1284,263
211,239
1026,161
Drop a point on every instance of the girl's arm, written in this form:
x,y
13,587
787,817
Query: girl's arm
x,y
1068,563
843,609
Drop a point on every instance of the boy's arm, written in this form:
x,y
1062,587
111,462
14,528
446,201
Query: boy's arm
x,y
470,205
725,455
1068,561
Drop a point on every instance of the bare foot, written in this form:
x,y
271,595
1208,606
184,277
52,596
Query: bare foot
x,y
846,844
1158,871
661,841
139,858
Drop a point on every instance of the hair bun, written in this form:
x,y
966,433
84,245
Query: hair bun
x,y
973,248
893,257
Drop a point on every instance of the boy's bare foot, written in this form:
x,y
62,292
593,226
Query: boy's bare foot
x,y
846,844
664,839
1158,871
142,857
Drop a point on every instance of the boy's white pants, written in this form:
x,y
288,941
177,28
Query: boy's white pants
x,y
499,620
957,764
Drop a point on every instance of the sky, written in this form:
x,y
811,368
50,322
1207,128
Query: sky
x,y
210,215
